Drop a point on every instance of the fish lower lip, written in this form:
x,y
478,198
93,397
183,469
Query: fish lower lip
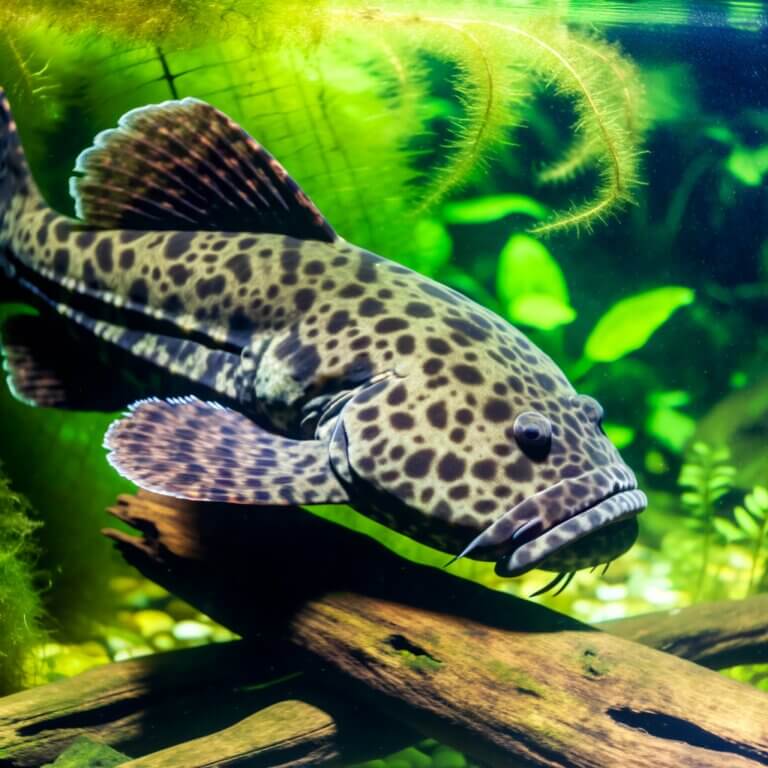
x,y
610,509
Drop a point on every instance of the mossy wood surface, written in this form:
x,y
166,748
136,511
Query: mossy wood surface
x,y
504,680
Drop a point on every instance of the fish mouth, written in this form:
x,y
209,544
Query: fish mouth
x,y
565,512
533,547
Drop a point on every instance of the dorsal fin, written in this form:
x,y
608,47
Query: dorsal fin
x,y
184,165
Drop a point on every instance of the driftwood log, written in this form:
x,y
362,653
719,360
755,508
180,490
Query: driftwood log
x,y
385,645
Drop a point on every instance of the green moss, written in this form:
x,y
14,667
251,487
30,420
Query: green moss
x,y
86,753
510,676
20,605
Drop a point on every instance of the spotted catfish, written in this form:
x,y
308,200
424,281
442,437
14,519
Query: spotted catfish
x,y
310,370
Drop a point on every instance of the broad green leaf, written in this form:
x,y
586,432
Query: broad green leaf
x,y
619,434
753,505
672,398
532,285
761,496
629,323
540,311
727,529
691,498
748,165
481,210
671,428
746,522
433,246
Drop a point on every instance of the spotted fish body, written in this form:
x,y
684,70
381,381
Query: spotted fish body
x,y
323,372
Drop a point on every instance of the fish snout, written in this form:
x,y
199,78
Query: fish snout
x,y
561,514
569,511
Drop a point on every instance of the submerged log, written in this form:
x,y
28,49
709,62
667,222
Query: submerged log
x,y
209,706
503,679
715,635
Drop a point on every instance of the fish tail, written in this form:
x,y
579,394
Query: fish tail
x,y
18,191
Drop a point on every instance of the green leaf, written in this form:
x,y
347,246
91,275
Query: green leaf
x,y
727,529
672,398
748,165
753,505
619,434
746,522
629,323
761,497
671,428
532,285
691,498
540,311
433,246
481,210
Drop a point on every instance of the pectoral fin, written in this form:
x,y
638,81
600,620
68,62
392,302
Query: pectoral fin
x,y
202,451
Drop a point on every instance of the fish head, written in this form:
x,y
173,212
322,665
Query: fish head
x,y
511,460
576,501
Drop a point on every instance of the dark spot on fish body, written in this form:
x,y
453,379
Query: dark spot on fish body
x,y
437,415
432,366
437,346
467,374
290,259
390,325
370,308
172,305
497,411
366,269
240,266
338,321
484,469
458,492
466,328
418,309
210,287
305,362
401,420
138,291
304,299
127,258
61,261
177,244
89,276
179,274
104,258
352,291
451,467
314,267
405,344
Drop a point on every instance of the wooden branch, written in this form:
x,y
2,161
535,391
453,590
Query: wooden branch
x,y
509,682
200,694
289,735
715,635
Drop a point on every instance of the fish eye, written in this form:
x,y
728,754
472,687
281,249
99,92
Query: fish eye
x,y
533,433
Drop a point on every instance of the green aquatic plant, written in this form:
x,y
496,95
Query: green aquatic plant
x,y
705,477
346,98
750,526
20,603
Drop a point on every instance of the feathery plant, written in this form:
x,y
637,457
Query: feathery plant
x,y
344,94
750,527
706,476
20,606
